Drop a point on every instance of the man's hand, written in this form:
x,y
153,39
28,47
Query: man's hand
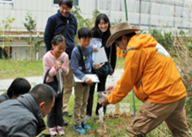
x,y
88,81
105,101
111,88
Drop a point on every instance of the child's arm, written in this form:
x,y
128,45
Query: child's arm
x,y
75,57
89,81
47,66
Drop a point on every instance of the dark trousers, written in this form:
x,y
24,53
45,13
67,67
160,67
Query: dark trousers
x,y
100,87
55,117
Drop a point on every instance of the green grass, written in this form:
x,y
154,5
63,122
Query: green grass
x,y
25,68
115,126
120,63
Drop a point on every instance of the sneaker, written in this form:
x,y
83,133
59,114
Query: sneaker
x,y
85,126
67,114
64,123
53,131
96,117
60,131
87,117
79,129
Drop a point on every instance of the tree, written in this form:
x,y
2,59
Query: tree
x,y
8,39
84,22
30,25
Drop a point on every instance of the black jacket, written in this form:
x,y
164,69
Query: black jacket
x,y
21,117
55,25
107,50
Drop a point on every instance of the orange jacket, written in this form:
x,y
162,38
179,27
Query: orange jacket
x,y
152,72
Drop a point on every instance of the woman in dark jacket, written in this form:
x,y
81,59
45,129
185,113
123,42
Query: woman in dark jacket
x,y
101,31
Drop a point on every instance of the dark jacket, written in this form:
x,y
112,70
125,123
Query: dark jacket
x,y
76,65
3,97
55,25
21,117
107,50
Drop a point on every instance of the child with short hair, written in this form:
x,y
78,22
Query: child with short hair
x,y
82,90
53,61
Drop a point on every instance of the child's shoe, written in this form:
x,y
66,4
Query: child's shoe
x,y
53,131
60,131
79,129
85,126
96,117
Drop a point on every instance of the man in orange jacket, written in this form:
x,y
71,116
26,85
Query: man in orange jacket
x,y
151,71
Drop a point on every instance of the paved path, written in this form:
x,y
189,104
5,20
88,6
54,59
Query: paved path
x,y
4,84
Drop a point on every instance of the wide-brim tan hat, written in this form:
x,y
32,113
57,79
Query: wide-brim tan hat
x,y
119,30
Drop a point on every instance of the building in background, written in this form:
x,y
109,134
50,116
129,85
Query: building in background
x,y
144,13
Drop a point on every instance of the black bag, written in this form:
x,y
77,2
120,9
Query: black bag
x,y
106,69
53,84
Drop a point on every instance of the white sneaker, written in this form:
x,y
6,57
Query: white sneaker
x,y
87,117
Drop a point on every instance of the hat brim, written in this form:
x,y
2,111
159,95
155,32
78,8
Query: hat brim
x,y
120,33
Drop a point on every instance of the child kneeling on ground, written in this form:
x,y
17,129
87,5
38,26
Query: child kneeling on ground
x,y
82,51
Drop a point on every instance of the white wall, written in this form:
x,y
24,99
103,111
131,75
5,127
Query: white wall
x,y
158,12
40,9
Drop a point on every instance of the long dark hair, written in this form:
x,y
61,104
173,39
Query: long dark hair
x,y
18,86
96,30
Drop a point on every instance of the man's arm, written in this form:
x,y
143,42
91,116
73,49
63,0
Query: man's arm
x,y
49,30
29,130
134,65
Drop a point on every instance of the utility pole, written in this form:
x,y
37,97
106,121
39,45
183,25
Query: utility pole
x,y
133,95
126,15
139,12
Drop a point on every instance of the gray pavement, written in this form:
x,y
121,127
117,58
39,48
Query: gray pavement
x,y
5,83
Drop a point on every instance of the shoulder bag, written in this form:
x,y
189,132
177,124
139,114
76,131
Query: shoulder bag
x,y
53,84
106,69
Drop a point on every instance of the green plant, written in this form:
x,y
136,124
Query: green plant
x,y
117,20
8,39
82,22
164,38
183,62
30,25
37,41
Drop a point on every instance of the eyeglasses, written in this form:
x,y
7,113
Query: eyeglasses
x,y
65,8
103,23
